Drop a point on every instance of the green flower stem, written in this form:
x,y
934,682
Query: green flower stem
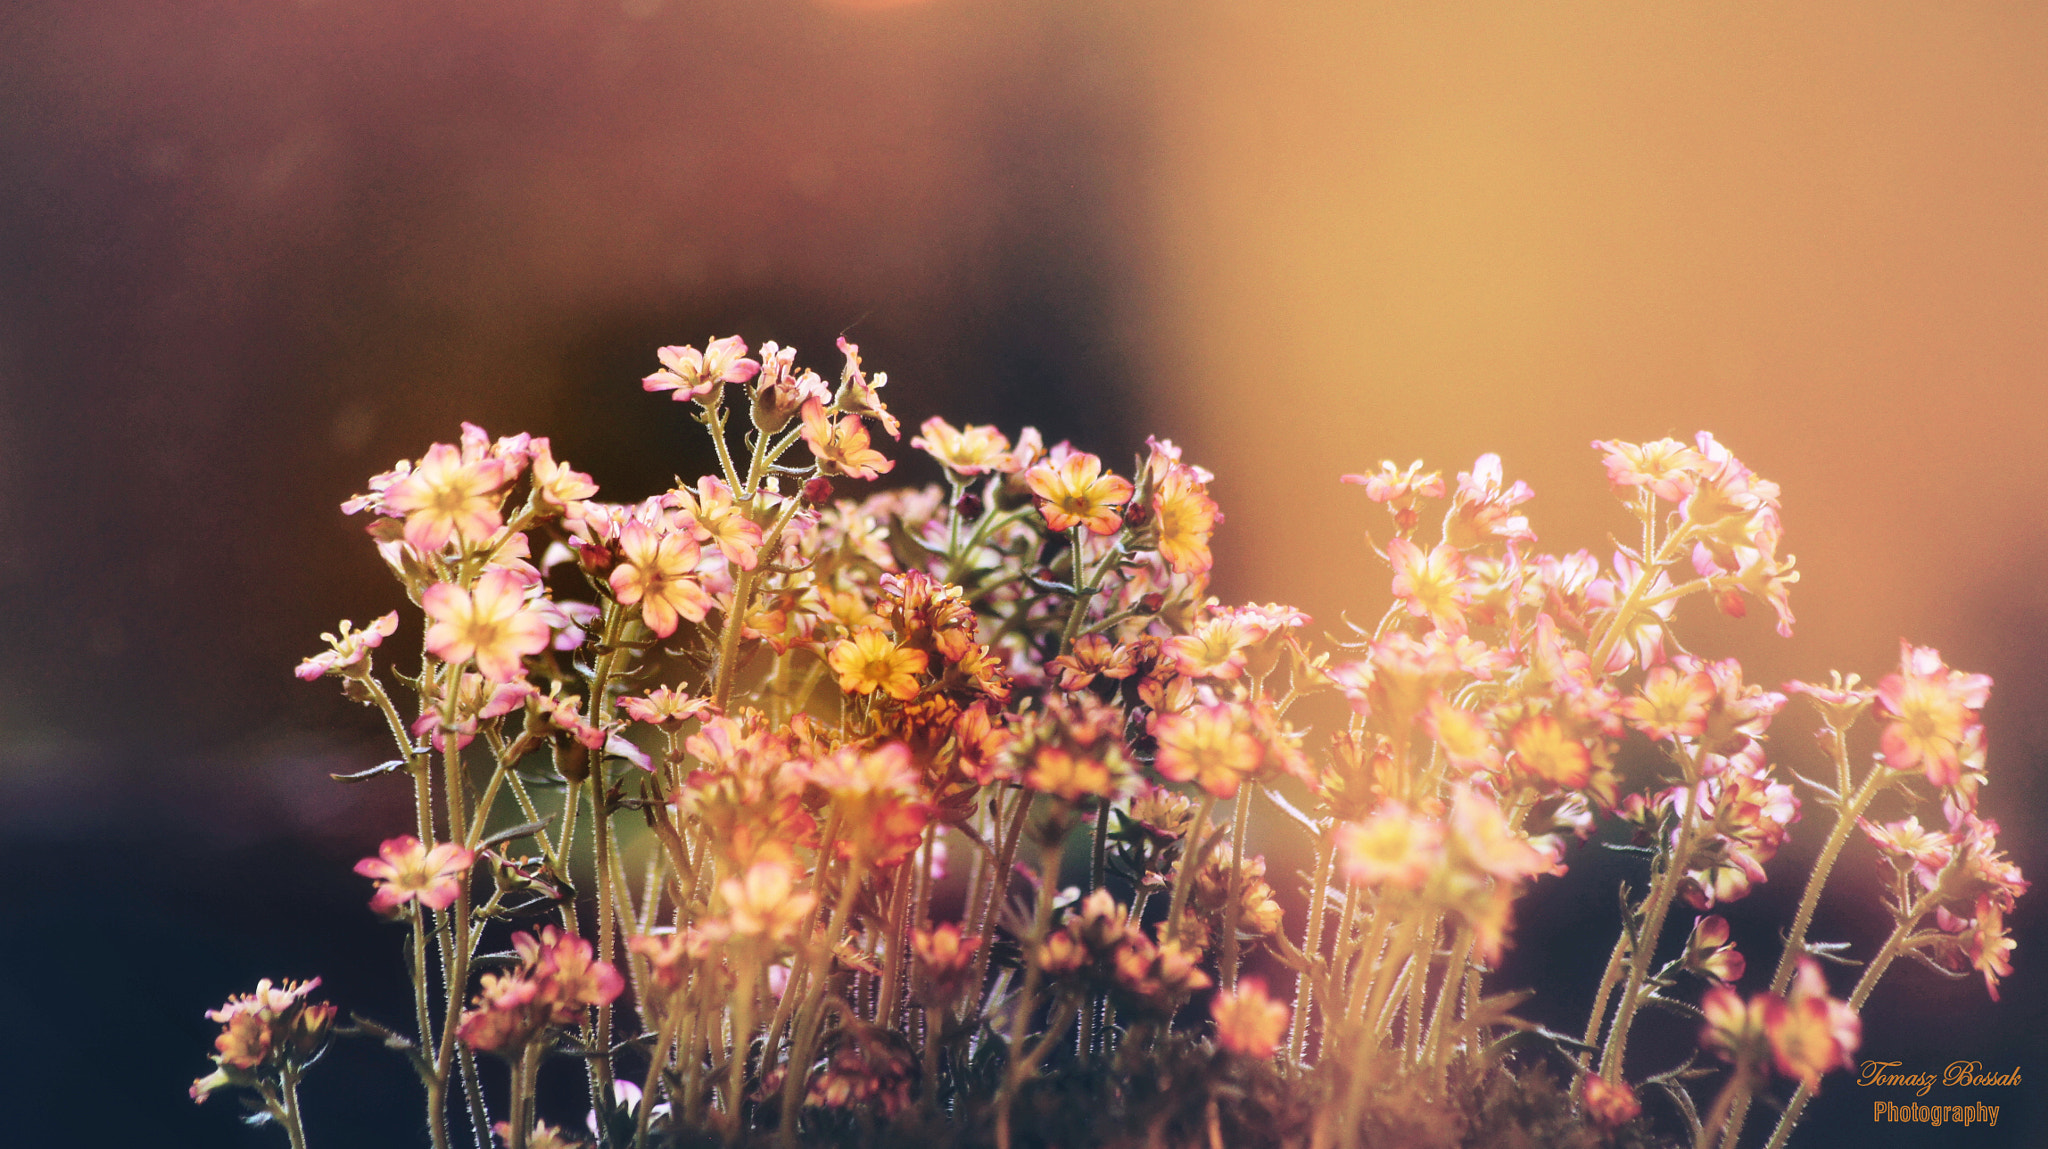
x,y
1737,1086
1311,946
1190,861
607,917
1654,911
483,808
1082,593
288,1108
1342,949
898,942
1817,879
1418,987
934,1027
742,1042
1823,866
1618,621
423,1017
1233,910
1893,947
810,1016
523,1075
1027,999
736,615
1098,866
1597,1019
657,1060
998,889
793,990
1447,996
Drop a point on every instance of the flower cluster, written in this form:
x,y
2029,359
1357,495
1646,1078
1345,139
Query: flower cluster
x,y
750,725
556,981
266,1039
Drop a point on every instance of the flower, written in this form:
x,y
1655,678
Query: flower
x,y
1811,1032
1211,746
1672,704
693,374
968,451
1709,954
1393,847
1666,468
1094,654
1400,489
406,868
1248,1022
1610,1103
713,515
1430,585
1544,750
860,391
349,649
765,902
263,1032
491,623
871,661
1215,647
665,708
555,483
656,575
503,1014
1933,712
1067,775
1075,491
1185,516
842,448
544,1135
945,959
1734,1028
568,972
448,495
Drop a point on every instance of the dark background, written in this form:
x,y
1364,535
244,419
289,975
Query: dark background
x,y
254,252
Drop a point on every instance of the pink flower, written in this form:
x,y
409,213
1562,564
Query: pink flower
x,y
1811,1032
1666,468
693,374
405,868
568,972
349,649
713,515
555,483
1610,1103
1249,1022
1399,490
448,495
1431,585
656,574
1933,712
666,708
1393,847
491,624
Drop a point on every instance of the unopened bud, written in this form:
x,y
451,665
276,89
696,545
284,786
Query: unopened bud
x,y
818,491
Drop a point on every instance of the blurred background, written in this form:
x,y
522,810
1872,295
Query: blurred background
x,y
253,252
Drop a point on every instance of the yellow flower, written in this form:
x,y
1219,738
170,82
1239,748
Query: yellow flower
x,y
1186,517
871,661
1077,492
1211,746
